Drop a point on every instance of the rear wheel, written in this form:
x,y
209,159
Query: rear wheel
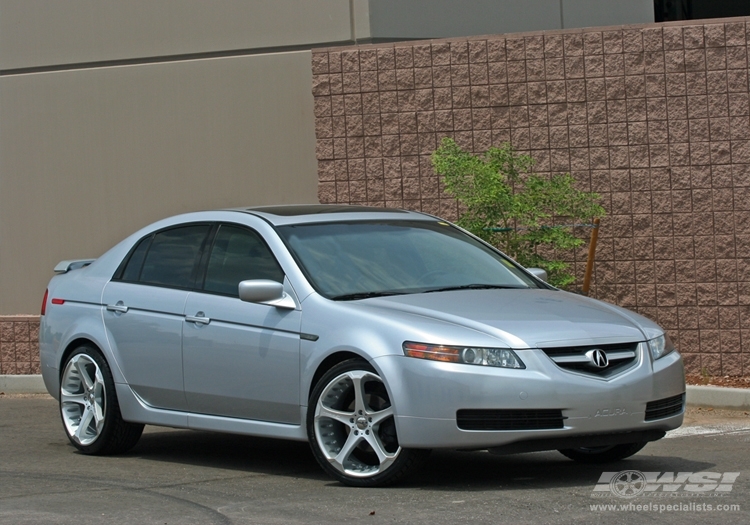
x,y
89,408
352,430
604,454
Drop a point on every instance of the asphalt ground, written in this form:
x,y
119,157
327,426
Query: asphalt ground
x,y
188,477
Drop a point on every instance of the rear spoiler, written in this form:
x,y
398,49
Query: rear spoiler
x,y
66,266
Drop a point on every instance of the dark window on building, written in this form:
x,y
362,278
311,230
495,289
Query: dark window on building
x,y
239,254
172,256
671,10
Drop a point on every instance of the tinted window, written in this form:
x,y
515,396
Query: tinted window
x,y
239,254
133,269
172,256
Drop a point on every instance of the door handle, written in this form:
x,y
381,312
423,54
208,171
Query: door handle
x,y
198,318
119,308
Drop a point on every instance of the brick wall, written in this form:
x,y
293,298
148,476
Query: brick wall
x,y
19,344
655,118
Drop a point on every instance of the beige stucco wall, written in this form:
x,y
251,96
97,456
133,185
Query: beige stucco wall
x,y
37,33
114,114
88,156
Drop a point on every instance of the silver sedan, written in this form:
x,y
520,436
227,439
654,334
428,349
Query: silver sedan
x,y
374,334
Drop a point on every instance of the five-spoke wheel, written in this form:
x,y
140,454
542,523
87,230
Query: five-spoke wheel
x,y
89,408
83,399
352,430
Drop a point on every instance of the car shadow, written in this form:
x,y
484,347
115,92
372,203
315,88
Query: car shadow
x,y
444,469
480,470
229,452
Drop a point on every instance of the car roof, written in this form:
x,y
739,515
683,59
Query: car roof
x,y
316,213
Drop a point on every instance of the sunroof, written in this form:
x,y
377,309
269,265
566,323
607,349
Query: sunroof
x,y
317,209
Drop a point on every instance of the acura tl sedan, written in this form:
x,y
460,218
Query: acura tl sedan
x,y
374,334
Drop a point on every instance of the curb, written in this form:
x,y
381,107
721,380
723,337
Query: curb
x,y
719,397
22,384
704,396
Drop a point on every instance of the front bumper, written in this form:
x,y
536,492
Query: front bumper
x,y
427,396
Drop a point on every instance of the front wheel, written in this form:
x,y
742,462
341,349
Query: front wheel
x,y
89,408
604,454
352,431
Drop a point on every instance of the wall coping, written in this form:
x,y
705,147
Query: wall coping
x,y
19,318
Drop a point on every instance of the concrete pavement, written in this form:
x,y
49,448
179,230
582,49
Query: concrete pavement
x,y
187,477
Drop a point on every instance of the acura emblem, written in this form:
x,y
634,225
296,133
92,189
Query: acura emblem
x,y
597,358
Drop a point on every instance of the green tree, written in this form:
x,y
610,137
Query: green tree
x,y
510,207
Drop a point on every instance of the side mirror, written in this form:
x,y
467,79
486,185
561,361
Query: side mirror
x,y
538,273
265,291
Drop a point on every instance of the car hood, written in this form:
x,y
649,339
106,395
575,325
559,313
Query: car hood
x,y
525,318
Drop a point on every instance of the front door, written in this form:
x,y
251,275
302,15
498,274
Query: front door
x,y
240,359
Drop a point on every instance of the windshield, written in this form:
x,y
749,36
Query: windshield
x,y
355,260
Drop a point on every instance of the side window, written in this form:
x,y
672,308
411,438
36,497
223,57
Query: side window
x,y
172,256
237,255
132,269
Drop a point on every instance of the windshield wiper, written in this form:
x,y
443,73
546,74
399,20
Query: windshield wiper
x,y
364,295
478,287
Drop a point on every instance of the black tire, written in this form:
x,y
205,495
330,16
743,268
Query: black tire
x,y
606,454
87,395
373,426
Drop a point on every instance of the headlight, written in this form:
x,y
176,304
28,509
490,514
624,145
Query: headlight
x,y
499,357
660,346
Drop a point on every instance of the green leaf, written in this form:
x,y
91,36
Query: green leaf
x,y
509,206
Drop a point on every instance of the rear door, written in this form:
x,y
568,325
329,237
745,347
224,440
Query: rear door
x,y
144,307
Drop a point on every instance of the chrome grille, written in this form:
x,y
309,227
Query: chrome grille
x,y
597,360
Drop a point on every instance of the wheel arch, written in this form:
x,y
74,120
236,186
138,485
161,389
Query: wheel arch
x,y
328,363
71,347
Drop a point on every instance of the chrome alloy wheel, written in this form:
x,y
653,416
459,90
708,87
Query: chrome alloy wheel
x,y
354,425
83,397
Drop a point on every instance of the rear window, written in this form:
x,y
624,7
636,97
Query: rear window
x,y
167,258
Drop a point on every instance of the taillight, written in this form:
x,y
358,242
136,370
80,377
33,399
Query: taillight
x,y
44,302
